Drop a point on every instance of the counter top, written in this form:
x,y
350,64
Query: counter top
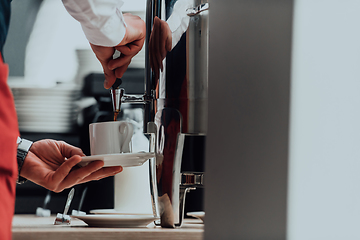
x,y
30,227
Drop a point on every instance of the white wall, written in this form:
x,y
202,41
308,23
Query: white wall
x,y
324,175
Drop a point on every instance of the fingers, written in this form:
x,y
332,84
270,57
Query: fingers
x,y
104,55
66,179
131,48
119,62
131,44
91,172
110,77
119,72
109,74
127,53
68,150
102,173
64,169
135,30
53,165
119,65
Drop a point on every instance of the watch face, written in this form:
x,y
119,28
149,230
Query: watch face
x,y
18,140
24,145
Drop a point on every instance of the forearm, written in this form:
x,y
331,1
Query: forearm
x,y
101,20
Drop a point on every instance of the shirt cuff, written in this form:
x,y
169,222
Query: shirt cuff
x,y
110,34
102,21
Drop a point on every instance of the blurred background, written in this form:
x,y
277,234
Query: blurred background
x,y
288,74
57,84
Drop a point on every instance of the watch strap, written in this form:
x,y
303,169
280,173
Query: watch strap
x,y
22,151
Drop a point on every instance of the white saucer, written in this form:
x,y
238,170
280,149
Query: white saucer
x,y
106,211
119,159
109,220
199,215
114,212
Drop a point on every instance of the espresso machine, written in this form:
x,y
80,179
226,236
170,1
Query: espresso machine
x,y
175,102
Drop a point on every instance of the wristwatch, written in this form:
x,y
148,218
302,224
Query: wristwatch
x,y
22,150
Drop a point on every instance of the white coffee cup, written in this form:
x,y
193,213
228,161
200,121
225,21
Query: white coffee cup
x,y
110,137
131,186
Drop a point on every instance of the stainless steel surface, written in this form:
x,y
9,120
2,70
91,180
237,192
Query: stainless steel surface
x,y
175,99
116,96
151,127
169,150
183,82
132,98
177,81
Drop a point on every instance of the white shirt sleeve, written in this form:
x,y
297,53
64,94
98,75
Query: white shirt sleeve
x,y
101,20
179,20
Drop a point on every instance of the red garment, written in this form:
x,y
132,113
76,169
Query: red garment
x,y
8,166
